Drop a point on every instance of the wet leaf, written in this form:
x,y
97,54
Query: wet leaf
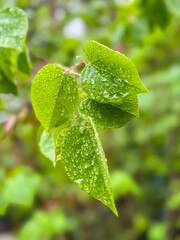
x,y
46,145
109,76
108,116
13,27
59,134
54,96
86,164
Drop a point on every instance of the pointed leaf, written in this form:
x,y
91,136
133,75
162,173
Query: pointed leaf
x,y
108,116
86,164
109,76
13,27
54,96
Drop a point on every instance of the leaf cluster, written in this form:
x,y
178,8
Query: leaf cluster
x,y
68,112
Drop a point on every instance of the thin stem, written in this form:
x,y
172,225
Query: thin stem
x,y
85,124
77,115
77,65
65,69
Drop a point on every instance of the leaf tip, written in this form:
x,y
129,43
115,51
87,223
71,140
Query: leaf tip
x,y
114,209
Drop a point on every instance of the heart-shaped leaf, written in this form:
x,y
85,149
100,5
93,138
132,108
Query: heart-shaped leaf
x,y
54,96
109,76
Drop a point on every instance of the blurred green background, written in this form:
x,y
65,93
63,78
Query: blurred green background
x,y
37,201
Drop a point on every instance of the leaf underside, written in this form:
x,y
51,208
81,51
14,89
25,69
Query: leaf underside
x,y
46,145
108,116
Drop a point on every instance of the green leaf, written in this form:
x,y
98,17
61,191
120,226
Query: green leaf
x,y
44,225
50,145
109,116
7,86
123,184
6,72
54,96
1,103
109,76
19,188
23,62
59,134
13,27
46,145
86,164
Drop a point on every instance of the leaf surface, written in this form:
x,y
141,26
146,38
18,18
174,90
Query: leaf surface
x,y
108,116
23,63
86,164
20,187
110,76
54,96
59,134
7,86
6,71
13,27
46,145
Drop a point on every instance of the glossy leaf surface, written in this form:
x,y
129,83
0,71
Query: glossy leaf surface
x,y
13,27
59,134
86,164
109,116
54,96
109,76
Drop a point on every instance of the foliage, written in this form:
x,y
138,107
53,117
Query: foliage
x,y
112,78
143,156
